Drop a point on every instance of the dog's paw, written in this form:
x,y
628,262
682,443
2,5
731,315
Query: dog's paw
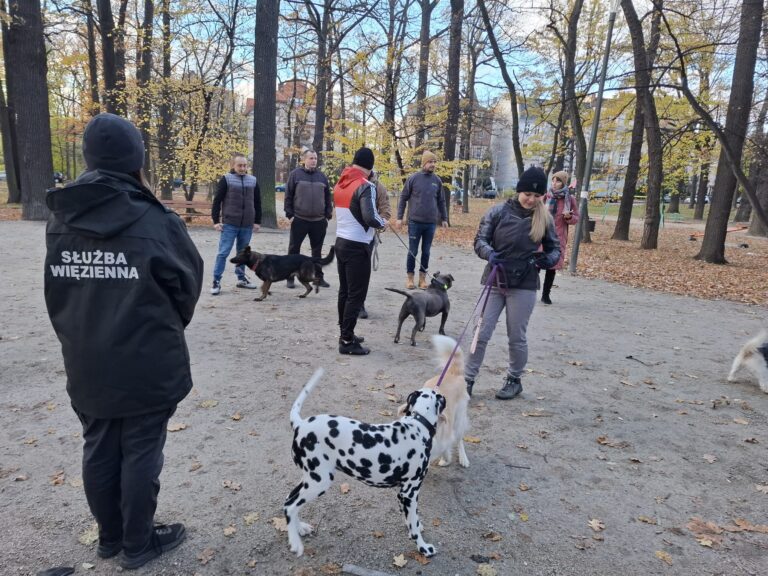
x,y
258,299
297,549
305,529
441,332
443,462
427,550
463,461
413,342
302,295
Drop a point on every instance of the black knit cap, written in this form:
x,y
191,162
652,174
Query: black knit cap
x,y
364,158
533,180
113,143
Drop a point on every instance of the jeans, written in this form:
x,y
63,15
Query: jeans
x,y
122,461
354,262
419,232
519,305
315,229
229,235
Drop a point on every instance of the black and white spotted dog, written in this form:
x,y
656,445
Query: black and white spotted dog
x,y
381,455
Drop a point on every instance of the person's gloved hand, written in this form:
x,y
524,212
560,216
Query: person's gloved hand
x,y
494,258
541,260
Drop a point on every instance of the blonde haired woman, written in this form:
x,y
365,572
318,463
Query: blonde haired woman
x,y
509,236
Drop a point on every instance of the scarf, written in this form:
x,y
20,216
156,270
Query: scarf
x,y
555,195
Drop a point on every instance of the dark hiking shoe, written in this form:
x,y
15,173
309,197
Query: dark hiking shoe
x,y
545,299
163,539
216,288
353,348
470,385
322,283
290,283
363,313
108,549
512,387
358,339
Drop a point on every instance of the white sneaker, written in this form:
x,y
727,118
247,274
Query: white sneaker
x,y
244,282
216,288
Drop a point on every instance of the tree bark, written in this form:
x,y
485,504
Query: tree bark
x,y
425,39
643,62
164,133
26,55
264,111
621,231
10,141
142,80
454,78
736,123
93,65
108,64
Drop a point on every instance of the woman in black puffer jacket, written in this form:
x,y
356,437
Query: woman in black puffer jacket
x,y
509,237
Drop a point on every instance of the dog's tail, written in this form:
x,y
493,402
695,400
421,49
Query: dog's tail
x,y
324,261
296,410
444,346
403,292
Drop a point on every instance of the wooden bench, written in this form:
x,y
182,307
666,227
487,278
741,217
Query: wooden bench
x,y
189,208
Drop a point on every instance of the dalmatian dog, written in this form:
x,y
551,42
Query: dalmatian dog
x,y
381,455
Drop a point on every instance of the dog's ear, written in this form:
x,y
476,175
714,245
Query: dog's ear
x,y
247,249
440,403
410,401
436,274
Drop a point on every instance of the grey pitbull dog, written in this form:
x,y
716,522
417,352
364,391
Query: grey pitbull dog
x,y
423,304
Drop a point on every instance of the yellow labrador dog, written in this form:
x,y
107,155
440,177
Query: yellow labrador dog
x,y
454,421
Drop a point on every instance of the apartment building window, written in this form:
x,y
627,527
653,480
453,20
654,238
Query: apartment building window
x,y
621,159
601,157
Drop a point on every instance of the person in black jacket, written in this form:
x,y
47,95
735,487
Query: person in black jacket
x,y
509,237
122,278
236,213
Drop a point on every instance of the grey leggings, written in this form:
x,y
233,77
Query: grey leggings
x,y
519,305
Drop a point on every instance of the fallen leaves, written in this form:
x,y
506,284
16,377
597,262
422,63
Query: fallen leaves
x,y
710,458
251,518
596,525
664,557
280,523
206,556
741,421
524,487
378,534
230,531
330,568
399,560
492,536
58,478
605,441
231,485
236,417
209,403
486,570
472,439
538,414
176,427
762,488
420,558
90,535
647,520
344,487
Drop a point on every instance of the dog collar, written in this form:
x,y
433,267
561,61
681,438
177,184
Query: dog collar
x,y
427,424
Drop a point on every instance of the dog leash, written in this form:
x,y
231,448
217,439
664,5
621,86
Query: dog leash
x,y
484,296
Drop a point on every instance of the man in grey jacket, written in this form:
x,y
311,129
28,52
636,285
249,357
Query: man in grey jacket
x,y
308,206
423,193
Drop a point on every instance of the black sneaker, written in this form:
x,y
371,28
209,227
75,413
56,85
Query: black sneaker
x,y
163,539
512,387
290,283
322,283
470,385
358,339
353,348
363,313
108,549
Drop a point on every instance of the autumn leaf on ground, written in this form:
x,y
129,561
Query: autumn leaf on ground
x,y
704,531
251,518
386,413
176,427
704,541
89,535
330,568
538,414
206,556
740,421
344,487
280,524
20,478
524,487
747,526
486,570
710,458
399,560
392,398
30,441
196,465
229,484
576,362
378,534
596,525
492,536
237,416
230,530
762,488
436,522
472,439
647,520
523,517
390,385
209,403
751,441
88,566
522,447
664,557
420,558
605,441
58,478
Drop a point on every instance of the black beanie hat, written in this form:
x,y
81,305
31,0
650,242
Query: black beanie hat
x,y
364,158
113,143
533,180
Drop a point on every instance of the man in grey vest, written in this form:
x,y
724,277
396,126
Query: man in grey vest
x,y
236,213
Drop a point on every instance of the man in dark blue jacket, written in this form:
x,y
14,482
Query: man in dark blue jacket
x,y
236,213
122,278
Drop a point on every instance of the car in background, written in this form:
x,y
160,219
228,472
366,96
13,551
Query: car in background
x,y
3,177
490,193
605,196
688,200
280,188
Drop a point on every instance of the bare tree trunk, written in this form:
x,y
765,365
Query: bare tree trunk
x,y
736,122
323,80
701,194
26,55
109,67
452,93
642,62
7,128
142,81
93,65
621,231
427,6
509,83
164,134
264,111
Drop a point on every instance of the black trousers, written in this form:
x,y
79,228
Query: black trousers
x,y
549,279
315,229
122,461
354,263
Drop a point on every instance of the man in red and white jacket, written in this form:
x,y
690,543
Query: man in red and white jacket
x,y
356,220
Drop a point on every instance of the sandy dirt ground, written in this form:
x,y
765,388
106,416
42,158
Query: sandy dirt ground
x,y
626,431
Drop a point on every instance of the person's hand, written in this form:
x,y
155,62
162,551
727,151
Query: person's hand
x,y
567,215
541,260
256,227
218,226
398,223
445,224
386,225
289,217
494,258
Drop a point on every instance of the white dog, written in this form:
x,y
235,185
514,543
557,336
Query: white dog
x,y
754,356
454,421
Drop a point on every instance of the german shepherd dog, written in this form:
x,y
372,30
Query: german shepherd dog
x,y
275,268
